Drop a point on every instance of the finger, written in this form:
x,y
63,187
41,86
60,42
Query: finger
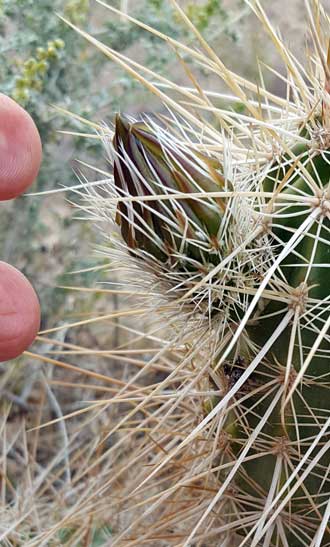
x,y
19,312
20,149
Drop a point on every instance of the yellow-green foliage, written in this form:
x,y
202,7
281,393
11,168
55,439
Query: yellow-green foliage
x,y
33,73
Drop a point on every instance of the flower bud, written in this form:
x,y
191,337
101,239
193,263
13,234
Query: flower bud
x,y
149,162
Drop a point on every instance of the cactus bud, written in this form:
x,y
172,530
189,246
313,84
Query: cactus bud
x,y
149,165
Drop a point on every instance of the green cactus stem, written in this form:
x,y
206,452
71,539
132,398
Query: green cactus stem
x,y
147,165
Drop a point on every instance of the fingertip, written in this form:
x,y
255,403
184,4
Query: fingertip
x,y
20,149
19,313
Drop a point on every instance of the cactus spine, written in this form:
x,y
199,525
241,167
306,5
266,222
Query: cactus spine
x,y
230,232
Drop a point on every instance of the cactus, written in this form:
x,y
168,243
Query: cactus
x,y
227,232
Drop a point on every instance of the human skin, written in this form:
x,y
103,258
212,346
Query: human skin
x,y
20,158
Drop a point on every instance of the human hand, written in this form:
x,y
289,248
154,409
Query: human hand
x,y
20,158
